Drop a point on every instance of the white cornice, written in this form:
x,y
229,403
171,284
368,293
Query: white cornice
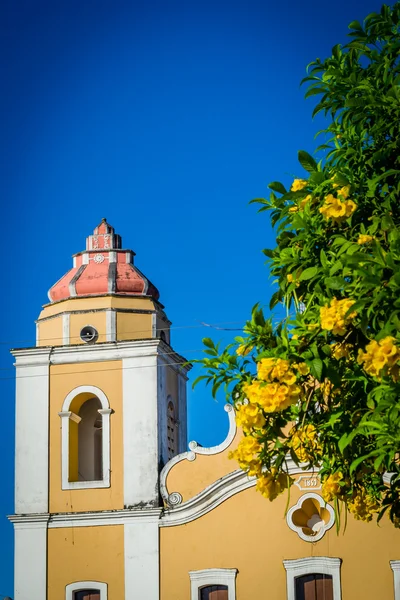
x,y
100,352
33,521
87,519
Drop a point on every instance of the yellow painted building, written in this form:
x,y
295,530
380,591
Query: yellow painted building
x,y
112,504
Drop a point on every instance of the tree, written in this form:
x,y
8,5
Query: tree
x,y
323,387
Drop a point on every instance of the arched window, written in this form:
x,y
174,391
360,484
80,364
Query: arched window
x,y
90,432
171,430
316,586
85,433
214,592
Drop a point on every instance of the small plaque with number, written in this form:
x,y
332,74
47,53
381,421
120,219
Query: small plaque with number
x,y
308,482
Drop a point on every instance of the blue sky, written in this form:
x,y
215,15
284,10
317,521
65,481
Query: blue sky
x,y
166,118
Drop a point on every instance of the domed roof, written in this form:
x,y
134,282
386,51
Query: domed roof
x,y
103,268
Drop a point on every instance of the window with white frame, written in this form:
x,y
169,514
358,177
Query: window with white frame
x,y
313,578
171,429
395,566
213,584
86,590
85,439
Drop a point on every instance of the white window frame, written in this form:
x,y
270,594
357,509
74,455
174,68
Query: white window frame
x,y
67,416
395,566
310,566
80,586
206,577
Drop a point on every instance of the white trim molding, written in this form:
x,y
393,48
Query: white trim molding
x,y
316,523
80,586
395,566
66,328
32,433
111,325
30,557
66,416
175,498
198,449
206,577
309,566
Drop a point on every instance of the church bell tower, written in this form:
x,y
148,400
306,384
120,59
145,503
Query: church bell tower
x,y
100,408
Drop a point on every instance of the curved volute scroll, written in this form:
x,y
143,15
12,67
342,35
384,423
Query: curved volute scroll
x,y
175,498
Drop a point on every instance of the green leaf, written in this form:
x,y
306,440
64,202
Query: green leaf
x,y
308,273
355,25
345,440
208,342
323,259
277,186
335,283
316,366
314,91
307,161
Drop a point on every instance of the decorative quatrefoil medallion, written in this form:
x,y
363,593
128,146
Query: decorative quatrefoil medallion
x,y
311,517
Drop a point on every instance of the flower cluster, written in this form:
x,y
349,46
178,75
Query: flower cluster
x,y
271,397
362,506
249,416
331,487
341,350
364,239
337,209
304,442
271,484
381,358
333,317
298,184
275,387
247,455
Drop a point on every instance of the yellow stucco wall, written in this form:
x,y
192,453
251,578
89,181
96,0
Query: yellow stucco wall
x,y
133,326
63,379
249,533
50,332
86,554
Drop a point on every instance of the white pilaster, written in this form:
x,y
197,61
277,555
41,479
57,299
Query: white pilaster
x,y
140,430
111,325
66,328
30,560
141,543
32,434
395,565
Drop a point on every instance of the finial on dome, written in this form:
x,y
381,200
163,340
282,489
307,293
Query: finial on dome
x,y
104,237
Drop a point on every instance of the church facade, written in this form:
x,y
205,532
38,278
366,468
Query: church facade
x,y
110,501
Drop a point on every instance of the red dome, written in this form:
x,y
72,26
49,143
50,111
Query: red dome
x,y
103,268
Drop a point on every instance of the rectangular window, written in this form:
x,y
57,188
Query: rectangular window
x,y
213,584
313,578
315,586
214,592
87,595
